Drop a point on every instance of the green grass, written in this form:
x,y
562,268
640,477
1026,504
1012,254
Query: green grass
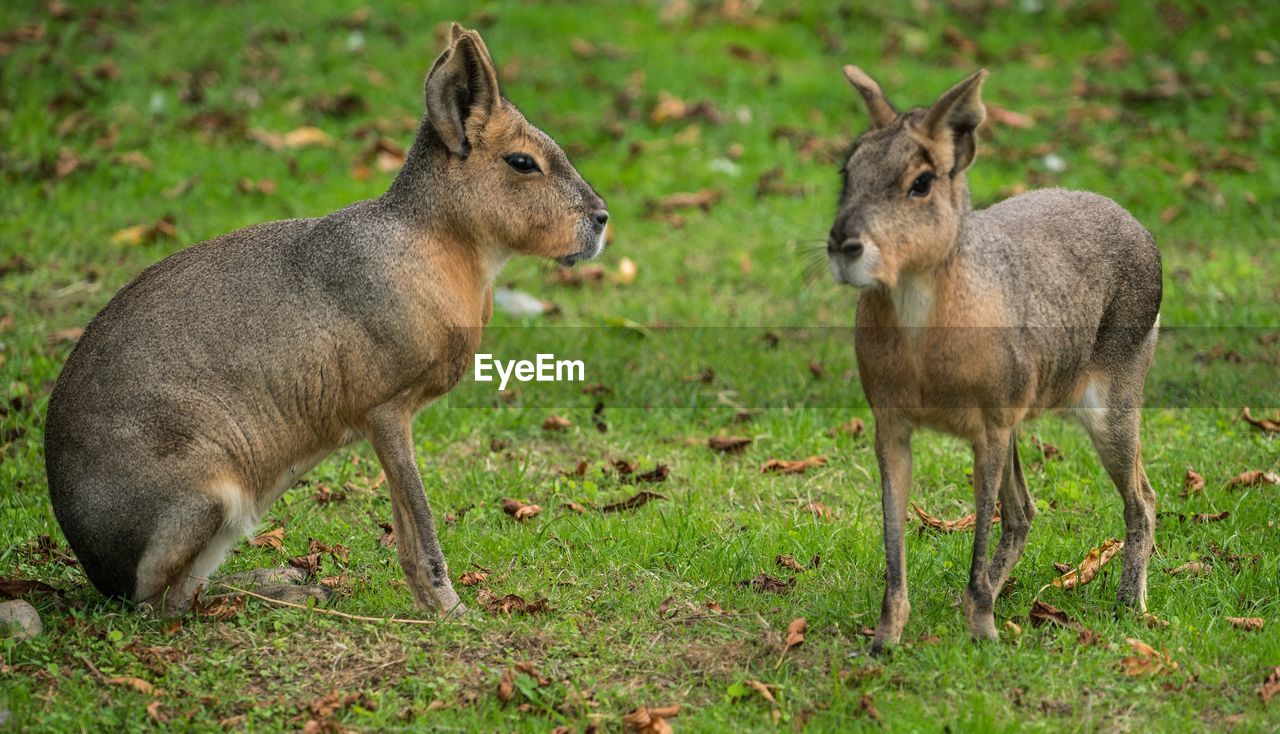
x,y
735,273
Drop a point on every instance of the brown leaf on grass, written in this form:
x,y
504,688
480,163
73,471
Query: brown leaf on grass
x,y
796,466
14,588
222,608
137,684
789,562
520,510
575,507
854,427
706,375
1249,624
142,234
764,689
658,474
273,539
765,582
642,497
867,705
1210,516
819,509
627,271
646,720
664,607
1195,568
1146,660
507,686
728,444
309,563
1269,425
63,336
1009,118
1152,621
324,495
703,199
1049,451
592,272
795,633
1255,478
1042,614
67,163
1193,483
556,423
510,604
388,539
949,526
301,137
1270,685
471,578
1089,567
154,713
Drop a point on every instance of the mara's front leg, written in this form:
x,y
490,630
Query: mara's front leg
x,y
893,452
989,456
416,542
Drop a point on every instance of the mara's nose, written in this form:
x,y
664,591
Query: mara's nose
x,y
602,217
850,247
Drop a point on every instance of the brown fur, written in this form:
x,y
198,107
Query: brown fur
x,y
972,322
212,382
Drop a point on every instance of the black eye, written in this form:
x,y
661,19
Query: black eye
x,y
920,186
521,162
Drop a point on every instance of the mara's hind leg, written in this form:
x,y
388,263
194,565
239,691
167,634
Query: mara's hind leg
x,y
189,542
1115,437
1016,513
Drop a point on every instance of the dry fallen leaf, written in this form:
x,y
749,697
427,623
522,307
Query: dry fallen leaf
x,y
764,689
1269,425
867,705
137,684
949,526
388,539
790,562
309,563
519,510
1255,478
1152,621
640,498
298,138
556,423
509,604
1043,613
154,713
271,539
797,466
471,578
728,444
1270,685
1210,517
704,200
819,509
1250,624
795,632
1193,483
1146,660
141,234
507,686
854,427
765,582
645,720
1009,118
1089,567
1196,568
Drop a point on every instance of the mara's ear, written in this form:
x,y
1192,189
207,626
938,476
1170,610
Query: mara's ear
x,y
882,113
957,114
462,90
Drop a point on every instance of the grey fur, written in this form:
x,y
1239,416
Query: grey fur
x,y
214,380
973,321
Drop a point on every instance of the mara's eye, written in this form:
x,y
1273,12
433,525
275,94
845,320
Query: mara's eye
x,y
521,162
920,186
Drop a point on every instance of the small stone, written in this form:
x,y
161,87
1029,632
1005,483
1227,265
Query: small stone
x,y
22,617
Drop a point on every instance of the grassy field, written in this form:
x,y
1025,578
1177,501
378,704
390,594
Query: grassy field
x,y
127,134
